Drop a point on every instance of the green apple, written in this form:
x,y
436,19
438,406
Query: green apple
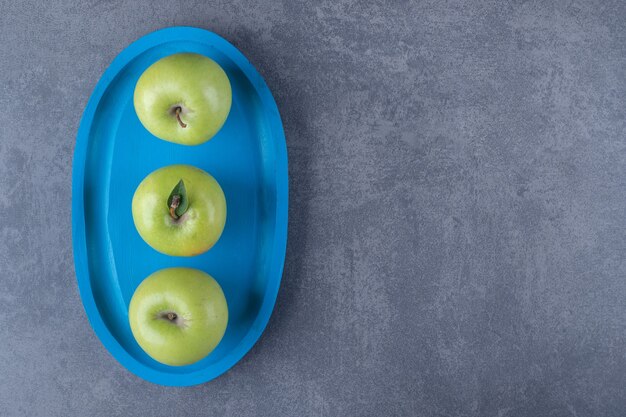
x,y
179,210
183,98
178,315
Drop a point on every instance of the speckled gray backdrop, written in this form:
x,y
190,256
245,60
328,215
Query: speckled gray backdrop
x,y
456,242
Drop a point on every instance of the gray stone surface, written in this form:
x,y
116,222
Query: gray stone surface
x,y
456,242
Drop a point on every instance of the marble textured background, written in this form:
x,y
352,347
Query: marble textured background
x,y
457,238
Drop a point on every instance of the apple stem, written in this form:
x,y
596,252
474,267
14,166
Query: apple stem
x,y
177,110
174,205
171,316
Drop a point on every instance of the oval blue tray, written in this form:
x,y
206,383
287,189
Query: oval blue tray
x,y
114,152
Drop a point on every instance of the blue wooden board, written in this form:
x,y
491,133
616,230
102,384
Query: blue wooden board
x,y
114,152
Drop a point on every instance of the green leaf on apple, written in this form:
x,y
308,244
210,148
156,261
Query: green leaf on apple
x,y
178,199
